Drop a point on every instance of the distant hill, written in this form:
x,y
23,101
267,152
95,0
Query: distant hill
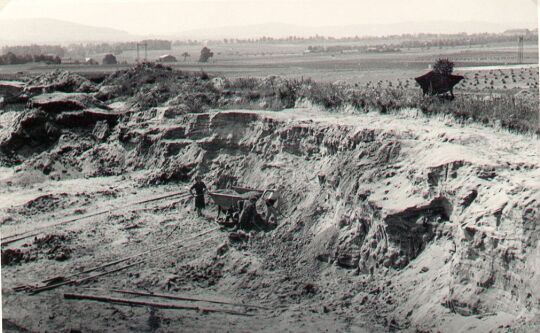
x,y
15,31
284,30
41,31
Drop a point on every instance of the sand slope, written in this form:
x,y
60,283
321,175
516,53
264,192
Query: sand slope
x,y
390,222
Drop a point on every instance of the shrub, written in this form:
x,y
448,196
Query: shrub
x,y
109,59
205,54
325,94
443,66
243,83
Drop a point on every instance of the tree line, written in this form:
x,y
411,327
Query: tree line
x,y
34,50
410,40
83,50
11,58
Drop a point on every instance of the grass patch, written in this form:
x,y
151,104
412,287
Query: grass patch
x,y
515,113
148,85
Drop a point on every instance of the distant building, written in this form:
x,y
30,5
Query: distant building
x,y
517,32
167,58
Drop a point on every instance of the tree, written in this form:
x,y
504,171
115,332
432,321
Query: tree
x,y
109,59
443,66
10,59
205,54
185,55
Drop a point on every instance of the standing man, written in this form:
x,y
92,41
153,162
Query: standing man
x,y
200,188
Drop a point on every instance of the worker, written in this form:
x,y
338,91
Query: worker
x,y
200,188
272,200
249,212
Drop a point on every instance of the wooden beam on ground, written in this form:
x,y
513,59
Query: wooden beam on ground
x,y
86,271
56,285
9,239
63,280
130,302
185,298
145,252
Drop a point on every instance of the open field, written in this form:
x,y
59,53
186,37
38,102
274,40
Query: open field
x,y
364,81
290,61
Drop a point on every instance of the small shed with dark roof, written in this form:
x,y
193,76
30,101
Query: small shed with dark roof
x,y
434,83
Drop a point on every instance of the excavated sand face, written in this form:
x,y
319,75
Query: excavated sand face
x,y
446,217
412,223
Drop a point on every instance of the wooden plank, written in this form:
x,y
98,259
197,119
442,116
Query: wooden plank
x,y
39,289
88,270
56,285
8,239
131,302
185,298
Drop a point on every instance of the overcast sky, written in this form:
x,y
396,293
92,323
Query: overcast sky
x,y
169,16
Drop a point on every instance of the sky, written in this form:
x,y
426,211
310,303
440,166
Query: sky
x,y
147,17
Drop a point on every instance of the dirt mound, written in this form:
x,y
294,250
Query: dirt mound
x,y
44,203
53,247
147,91
141,74
148,85
14,256
58,80
135,81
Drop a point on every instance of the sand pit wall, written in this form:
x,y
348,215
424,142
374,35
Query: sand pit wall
x,y
369,200
381,203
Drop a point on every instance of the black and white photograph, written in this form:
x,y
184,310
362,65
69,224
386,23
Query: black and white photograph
x,y
244,166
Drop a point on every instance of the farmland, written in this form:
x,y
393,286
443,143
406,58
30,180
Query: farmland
x,y
490,72
292,61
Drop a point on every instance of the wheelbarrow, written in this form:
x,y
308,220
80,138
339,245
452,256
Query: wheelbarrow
x,y
241,190
231,203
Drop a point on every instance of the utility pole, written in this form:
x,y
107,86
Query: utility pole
x,y
145,44
145,51
520,49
